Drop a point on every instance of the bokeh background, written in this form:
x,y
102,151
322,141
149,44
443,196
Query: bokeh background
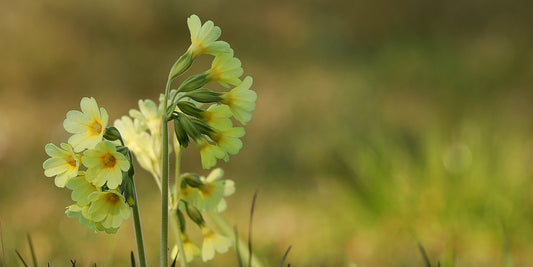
x,y
379,125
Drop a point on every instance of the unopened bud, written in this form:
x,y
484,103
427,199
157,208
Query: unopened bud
x,y
181,66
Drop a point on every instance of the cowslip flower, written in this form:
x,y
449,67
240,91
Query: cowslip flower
x,y
213,242
81,189
217,116
88,126
191,249
204,38
63,164
108,208
210,153
105,164
228,139
148,116
241,100
140,143
211,192
81,212
226,70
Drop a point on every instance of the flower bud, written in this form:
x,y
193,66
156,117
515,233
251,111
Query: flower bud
x,y
189,108
194,82
204,95
194,214
192,179
181,135
181,66
111,133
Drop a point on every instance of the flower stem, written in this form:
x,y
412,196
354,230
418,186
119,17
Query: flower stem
x,y
174,219
164,182
138,230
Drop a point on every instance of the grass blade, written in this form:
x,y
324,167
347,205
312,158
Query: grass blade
x,y
250,230
424,255
33,257
132,257
174,261
21,259
285,257
2,242
239,259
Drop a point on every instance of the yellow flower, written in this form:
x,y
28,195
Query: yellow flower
x,y
105,164
217,116
213,242
203,38
191,249
81,189
140,143
108,208
225,69
63,164
88,126
210,153
228,139
211,192
241,100
81,212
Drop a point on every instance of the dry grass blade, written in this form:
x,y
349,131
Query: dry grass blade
x,y
424,255
2,243
250,230
285,257
21,259
33,257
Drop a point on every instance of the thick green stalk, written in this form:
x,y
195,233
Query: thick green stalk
x,y
175,221
164,182
138,229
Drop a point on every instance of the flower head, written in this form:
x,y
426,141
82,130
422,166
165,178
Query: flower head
x,y
81,189
228,139
140,143
63,164
213,242
241,100
105,164
191,249
210,153
88,126
81,212
204,38
210,194
108,208
217,116
225,69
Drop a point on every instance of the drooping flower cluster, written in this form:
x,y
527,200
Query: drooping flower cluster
x,y
201,195
92,168
204,115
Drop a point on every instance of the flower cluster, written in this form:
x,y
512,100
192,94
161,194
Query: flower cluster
x,y
201,195
92,167
204,115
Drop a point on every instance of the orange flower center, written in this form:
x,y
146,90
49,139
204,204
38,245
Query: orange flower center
x,y
95,128
71,161
207,189
112,198
109,160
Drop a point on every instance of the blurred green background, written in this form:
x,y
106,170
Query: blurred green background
x,y
379,124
